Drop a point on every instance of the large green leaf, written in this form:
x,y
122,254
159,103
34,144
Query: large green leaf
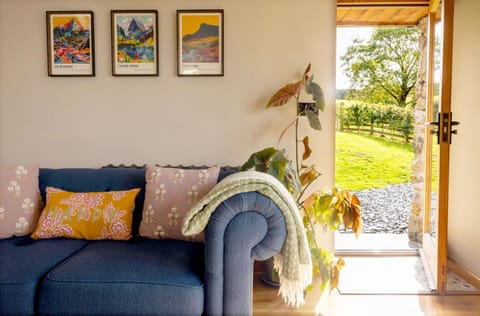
x,y
249,164
318,96
282,168
326,262
335,219
259,160
313,120
308,84
276,163
322,208
316,91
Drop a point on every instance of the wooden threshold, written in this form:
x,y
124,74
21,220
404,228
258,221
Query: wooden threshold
x,y
377,253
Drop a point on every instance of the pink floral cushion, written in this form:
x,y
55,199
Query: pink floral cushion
x,y
170,194
20,200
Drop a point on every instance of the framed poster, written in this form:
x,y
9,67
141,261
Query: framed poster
x,y
70,43
134,42
200,43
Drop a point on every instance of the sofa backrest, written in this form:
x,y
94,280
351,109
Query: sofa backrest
x,y
104,179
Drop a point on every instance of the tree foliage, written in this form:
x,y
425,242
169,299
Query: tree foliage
x,y
383,70
378,118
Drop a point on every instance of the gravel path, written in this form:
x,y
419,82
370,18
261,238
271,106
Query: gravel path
x,y
386,210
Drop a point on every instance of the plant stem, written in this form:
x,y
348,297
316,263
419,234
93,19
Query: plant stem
x,y
306,187
296,145
297,97
312,226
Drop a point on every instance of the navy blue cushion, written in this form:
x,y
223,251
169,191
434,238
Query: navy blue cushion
x,y
226,171
23,262
141,276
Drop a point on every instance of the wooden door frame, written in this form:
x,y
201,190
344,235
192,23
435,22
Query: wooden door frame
x,y
428,250
436,251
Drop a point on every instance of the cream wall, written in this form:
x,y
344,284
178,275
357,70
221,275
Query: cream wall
x,y
464,209
89,122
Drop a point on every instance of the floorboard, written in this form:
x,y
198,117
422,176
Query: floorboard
x,y
266,302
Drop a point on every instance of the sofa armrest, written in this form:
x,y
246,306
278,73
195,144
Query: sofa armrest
x,y
243,228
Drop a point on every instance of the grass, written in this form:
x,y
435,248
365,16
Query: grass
x,y
365,162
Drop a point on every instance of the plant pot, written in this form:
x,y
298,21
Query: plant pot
x,y
270,275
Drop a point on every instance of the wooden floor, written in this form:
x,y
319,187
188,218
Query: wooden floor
x,y
266,302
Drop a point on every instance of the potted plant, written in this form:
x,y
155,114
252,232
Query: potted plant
x,y
328,209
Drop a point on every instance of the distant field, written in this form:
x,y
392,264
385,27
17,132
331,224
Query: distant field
x,y
365,162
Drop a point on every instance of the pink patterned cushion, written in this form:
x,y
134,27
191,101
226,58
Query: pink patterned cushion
x,y
170,194
20,200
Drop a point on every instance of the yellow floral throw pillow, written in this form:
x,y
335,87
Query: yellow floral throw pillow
x,y
90,215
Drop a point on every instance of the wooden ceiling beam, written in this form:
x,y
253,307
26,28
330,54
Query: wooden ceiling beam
x,y
382,12
434,5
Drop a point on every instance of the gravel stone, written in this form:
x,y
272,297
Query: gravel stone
x,y
386,210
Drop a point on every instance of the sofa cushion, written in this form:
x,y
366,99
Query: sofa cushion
x,y
140,276
87,215
20,202
170,194
97,180
23,263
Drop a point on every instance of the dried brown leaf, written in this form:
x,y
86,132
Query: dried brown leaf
x,y
335,278
307,70
284,95
357,224
307,150
308,175
310,201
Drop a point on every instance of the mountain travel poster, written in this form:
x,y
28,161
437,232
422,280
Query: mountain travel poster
x,y
70,43
200,42
134,43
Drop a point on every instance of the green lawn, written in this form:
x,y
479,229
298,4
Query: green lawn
x,y
364,162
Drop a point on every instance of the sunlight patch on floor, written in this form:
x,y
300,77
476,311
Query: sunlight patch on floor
x,y
383,275
373,242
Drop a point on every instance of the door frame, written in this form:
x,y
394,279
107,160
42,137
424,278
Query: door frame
x,y
435,251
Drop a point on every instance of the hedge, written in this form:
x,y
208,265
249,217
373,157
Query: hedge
x,y
375,119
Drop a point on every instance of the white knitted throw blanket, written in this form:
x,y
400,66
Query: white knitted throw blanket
x,y
293,263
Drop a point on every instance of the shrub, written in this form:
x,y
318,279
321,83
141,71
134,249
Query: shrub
x,y
375,119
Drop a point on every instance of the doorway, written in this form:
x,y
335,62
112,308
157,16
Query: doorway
x,y
428,216
377,71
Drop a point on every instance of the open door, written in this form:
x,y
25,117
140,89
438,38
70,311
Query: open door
x,y
439,132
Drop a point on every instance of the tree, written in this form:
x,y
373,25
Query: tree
x,y
356,115
383,70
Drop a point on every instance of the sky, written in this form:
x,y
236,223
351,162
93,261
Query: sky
x,y
345,37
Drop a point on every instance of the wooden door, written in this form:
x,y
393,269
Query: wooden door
x,y
438,140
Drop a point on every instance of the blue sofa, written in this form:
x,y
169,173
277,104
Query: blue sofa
x,y
140,276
